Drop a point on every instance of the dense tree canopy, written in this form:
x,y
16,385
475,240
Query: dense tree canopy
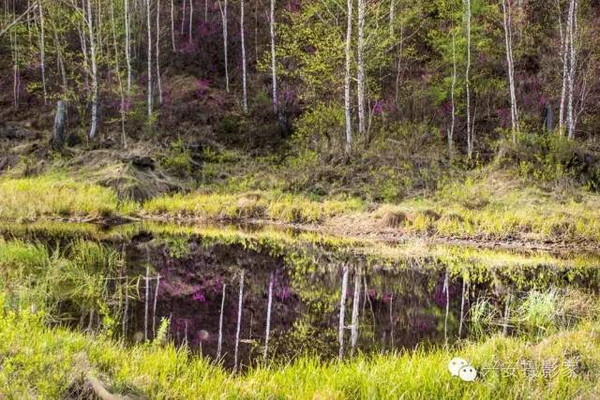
x,y
485,69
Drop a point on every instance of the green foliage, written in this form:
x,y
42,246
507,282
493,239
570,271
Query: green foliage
x,y
321,130
178,159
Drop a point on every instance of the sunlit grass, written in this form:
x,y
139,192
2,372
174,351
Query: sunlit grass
x,y
483,209
499,210
257,205
162,371
57,196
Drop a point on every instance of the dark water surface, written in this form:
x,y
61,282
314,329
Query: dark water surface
x,y
192,277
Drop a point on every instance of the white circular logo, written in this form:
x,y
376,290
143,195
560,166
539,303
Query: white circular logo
x,y
455,365
467,373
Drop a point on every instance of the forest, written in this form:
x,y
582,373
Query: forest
x,y
299,199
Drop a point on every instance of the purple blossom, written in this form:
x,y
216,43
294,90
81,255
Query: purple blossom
x,y
387,297
378,107
199,296
203,85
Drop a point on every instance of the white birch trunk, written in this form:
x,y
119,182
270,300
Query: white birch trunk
x,y
220,339
118,73
361,69
347,80
158,78
514,115
191,19
146,301
173,26
392,16
239,321
447,292
183,13
243,44
128,46
268,328
149,50
43,53
564,41
273,59
342,325
355,308
155,302
223,10
572,67
94,127
470,138
452,98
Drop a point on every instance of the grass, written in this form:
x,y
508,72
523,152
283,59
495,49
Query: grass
x,y
50,363
28,199
499,208
483,208
274,206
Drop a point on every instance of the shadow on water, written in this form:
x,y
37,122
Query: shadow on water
x,y
299,293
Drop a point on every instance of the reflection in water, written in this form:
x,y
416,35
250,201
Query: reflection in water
x,y
242,302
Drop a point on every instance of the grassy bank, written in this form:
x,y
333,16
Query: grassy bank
x,y
481,208
51,363
56,195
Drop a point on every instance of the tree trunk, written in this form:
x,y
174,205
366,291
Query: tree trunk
x,y
470,133
43,53
118,73
514,114
149,32
191,19
361,68
173,26
273,59
355,308
452,99
564,39
239,321
158,78
243,44
268,328
572,67
342,325
347,80
58,134
128,46
223,10
220,339
94,127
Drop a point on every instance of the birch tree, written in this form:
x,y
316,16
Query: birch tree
x,y
118,74
273,57
191,19
508,40
158,78
127,44
452,98
149,55
347,80
342,321
223,9
564,53
470,133
172,26
43,52
243,45
572,33
94,65
361,68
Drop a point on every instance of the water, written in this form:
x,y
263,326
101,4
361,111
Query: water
x,y
397,296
